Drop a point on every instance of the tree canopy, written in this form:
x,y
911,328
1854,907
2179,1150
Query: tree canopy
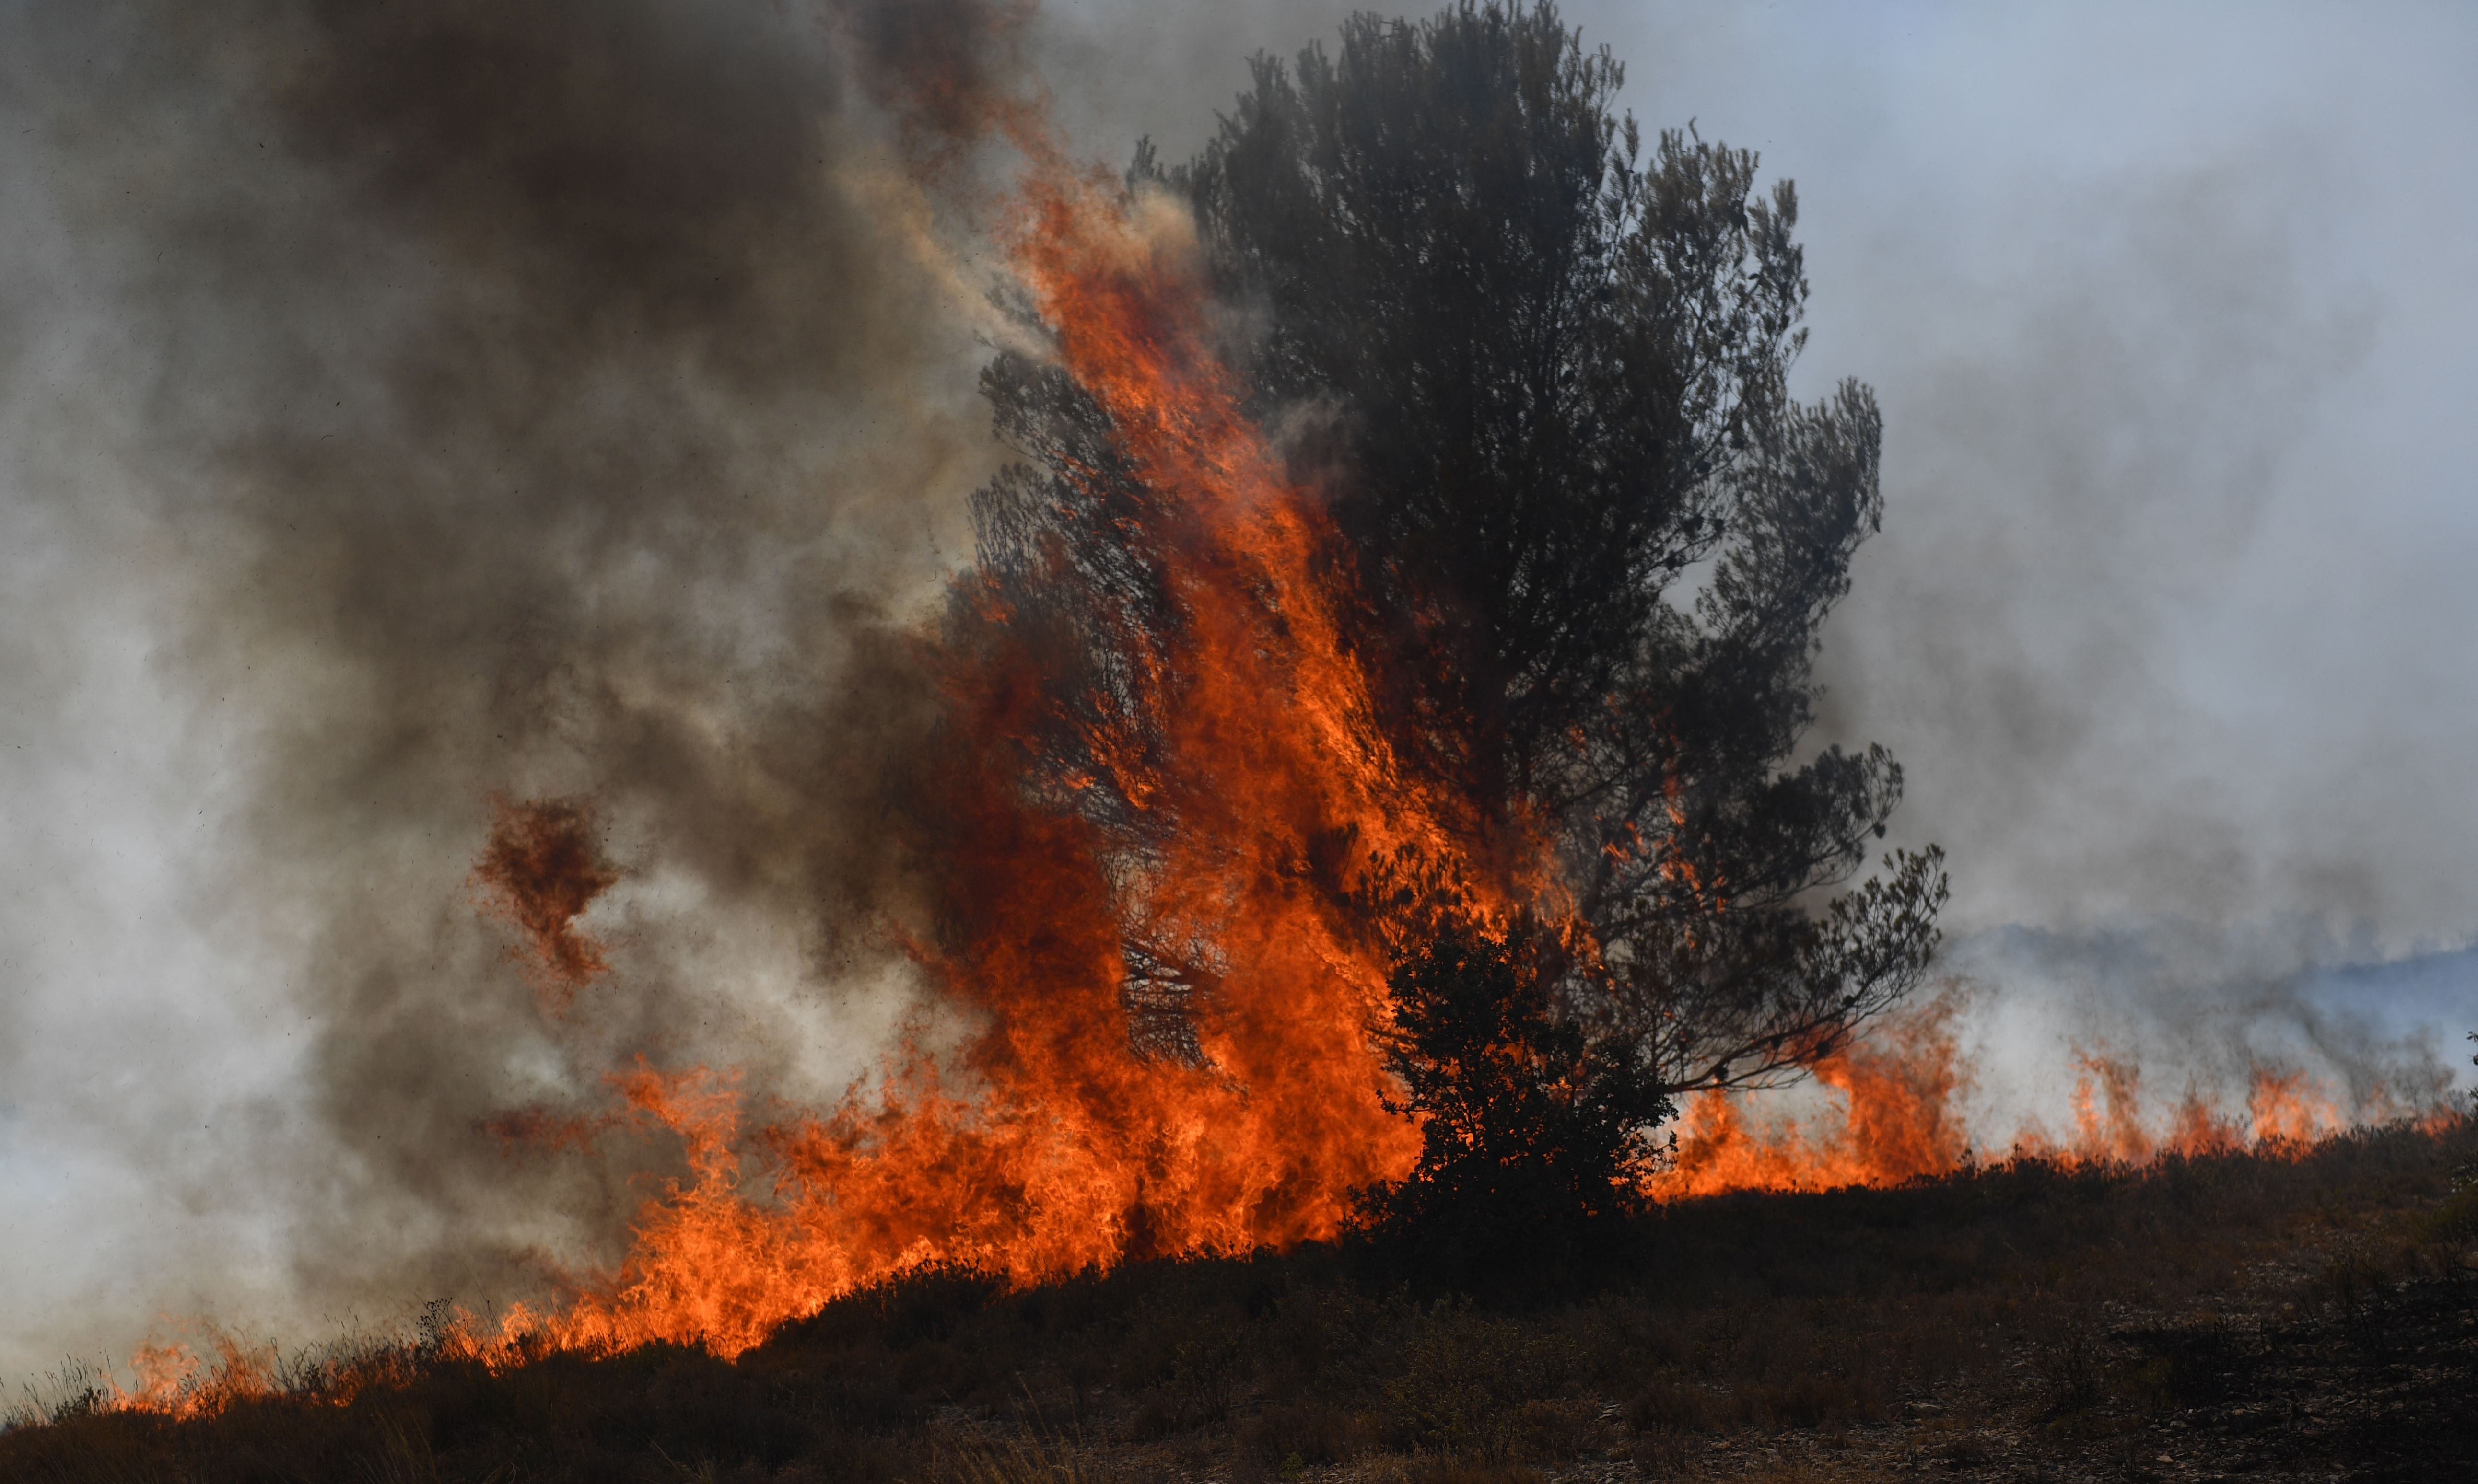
x,y
1538,375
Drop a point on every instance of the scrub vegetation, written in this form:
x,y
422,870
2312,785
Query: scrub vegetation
x,y
2276,1315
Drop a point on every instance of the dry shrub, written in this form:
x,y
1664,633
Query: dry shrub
x,y
1017,1460
2068,1361
1298,1434
1315,1335
2455,1220
1675,1408
1817,1400
1433,1469
1465,1382
936,1369
1808,1313
1813,1401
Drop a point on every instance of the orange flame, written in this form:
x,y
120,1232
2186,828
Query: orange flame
x,y
1896,1120
2285,1109
173,1379
1058,1145
1055,1143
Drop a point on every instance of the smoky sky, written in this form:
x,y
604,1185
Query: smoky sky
x,y
411,407
405,405
2162,306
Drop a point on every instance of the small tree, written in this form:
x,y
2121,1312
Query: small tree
x,y
1533,1137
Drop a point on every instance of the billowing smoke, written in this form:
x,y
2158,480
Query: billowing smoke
x,y
414,406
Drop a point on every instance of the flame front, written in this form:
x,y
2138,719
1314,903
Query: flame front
x,y
1897,1120
1057,1144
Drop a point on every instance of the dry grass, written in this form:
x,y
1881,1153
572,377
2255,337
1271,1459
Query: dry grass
x,y
2026,1322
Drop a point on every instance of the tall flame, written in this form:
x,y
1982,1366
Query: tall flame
x,y
1057,1143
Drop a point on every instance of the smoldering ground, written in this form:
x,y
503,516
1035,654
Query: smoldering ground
x,y
575,401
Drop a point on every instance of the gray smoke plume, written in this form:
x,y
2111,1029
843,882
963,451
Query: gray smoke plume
x,y
2166,621
405,407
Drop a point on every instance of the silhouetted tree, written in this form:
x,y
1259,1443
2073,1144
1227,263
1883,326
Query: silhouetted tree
x,y
1588,538
1594,536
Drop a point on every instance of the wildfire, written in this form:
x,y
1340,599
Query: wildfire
x,y
1053,1142
1897,1120
1057,1144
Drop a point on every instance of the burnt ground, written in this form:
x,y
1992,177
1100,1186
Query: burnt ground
x,y
2313,1315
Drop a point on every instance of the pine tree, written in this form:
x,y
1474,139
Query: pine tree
x,y
1586,542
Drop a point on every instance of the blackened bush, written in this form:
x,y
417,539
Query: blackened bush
x,y
1533,1135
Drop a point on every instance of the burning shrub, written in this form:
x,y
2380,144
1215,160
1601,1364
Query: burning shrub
x,y
1553,376
1532,1137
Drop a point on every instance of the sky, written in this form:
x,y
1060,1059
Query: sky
x,y
2169,309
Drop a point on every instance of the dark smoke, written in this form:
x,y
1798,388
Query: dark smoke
x,y
543,869
569,399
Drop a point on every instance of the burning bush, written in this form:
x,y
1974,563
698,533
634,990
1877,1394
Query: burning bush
x,y
1346,571
1551,383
